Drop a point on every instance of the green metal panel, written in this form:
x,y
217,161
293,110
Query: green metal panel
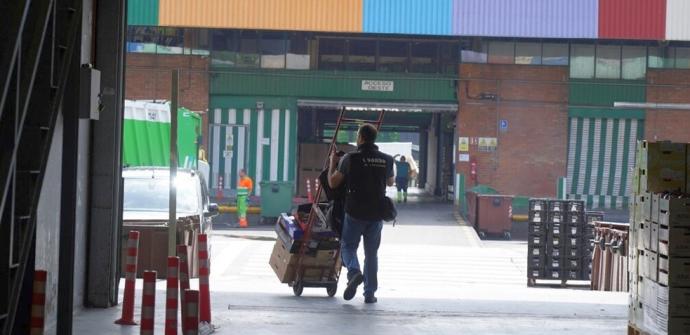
x,y
142,12
188,137
605,93
332,85
263,159
147,143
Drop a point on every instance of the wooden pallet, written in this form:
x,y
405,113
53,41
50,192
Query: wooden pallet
x,y
532,282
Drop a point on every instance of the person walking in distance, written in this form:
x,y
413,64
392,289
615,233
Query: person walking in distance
x,y
402,177
365,174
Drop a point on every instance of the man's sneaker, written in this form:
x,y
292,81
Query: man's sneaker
x,y
370,300
352,284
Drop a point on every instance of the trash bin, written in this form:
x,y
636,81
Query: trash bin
x,y
494,215
276,198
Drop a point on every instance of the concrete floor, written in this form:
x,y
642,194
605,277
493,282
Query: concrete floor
x,y
436,277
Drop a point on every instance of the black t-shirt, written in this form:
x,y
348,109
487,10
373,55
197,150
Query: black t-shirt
x,y
366,172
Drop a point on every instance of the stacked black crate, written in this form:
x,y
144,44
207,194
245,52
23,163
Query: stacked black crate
x,y
536,242
557,236
578,257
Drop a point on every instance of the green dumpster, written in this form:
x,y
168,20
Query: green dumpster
x,y
276,198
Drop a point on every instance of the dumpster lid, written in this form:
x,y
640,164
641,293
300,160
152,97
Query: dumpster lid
x,y
483,189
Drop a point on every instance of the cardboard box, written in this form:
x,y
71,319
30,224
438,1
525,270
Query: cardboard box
x,y
284,263
674,241
646,203
678,274
649,265
646,235
674,212
654,232
662,167
655,207
673,300
648,292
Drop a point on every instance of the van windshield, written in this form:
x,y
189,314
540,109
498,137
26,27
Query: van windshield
x,y
153,194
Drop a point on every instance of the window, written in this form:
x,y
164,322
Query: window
x,y
449,57
424,57
142,39
474,51
608,62
528,53
554,54
331,54
249,56
393,56
362,55
582,61
273,50
662,58
198,42
298,52
634,62
225,47
170,41
501,52
683,58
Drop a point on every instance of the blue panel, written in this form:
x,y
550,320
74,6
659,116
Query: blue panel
x,y
526,18
423,17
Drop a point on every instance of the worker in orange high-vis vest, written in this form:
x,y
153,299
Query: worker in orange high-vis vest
x,y
244,189
245,181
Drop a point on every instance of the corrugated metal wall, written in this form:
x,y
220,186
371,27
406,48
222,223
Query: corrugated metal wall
x,y
430,17
601,152
306,15
142,12
632,19
526,18
264,142
601,145
677,22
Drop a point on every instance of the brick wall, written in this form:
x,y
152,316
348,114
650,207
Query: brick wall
x,y
668,86
531,153
148,77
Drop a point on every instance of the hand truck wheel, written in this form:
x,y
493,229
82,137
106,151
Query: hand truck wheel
x,y
298,288
332,289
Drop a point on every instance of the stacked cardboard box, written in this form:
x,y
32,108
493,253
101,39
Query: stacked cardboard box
x,y
557,241
659,248
320,262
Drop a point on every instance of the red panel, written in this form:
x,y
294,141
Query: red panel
x,y
632,19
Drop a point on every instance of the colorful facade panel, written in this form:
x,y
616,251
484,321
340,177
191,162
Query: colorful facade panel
x,y
430,17
677,23
632,19
525,18
301,15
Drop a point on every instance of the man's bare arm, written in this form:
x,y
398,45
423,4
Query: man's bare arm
x,y
335,177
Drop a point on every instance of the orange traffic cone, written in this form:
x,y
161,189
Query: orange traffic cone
x,y
243,223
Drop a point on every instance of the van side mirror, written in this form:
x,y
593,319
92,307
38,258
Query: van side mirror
x,y
212,210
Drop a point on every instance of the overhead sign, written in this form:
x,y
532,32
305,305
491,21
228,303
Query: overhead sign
x,y
378,85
